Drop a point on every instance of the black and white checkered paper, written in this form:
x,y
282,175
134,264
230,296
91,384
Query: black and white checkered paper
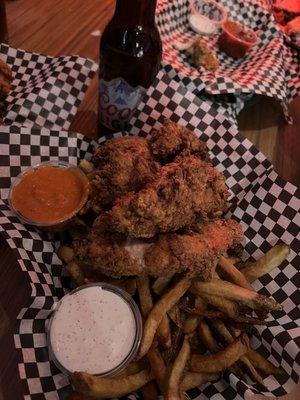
x,y
266,206
46,91
265,70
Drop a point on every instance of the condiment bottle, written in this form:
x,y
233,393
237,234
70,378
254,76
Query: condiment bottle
x,y
130,54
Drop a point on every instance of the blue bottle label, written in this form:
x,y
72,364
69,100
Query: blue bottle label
x,y
117,102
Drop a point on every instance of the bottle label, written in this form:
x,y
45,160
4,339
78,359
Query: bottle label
x,y
117,102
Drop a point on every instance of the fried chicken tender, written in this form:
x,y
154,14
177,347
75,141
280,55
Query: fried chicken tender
x,y
196,252
172,140
103,255
6,78
124,164
184,190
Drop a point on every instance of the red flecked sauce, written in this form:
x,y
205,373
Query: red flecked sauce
x,y
236,39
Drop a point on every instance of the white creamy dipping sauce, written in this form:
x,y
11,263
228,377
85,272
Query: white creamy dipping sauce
x,y
93,330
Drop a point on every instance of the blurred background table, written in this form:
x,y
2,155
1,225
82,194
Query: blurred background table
x,y
57,27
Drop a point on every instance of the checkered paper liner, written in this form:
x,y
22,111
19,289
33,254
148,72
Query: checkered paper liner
x,y
291,58
292,40
266,205
263,71
227,104
46,91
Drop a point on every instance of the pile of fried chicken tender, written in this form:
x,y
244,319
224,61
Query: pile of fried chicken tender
x,y
154,223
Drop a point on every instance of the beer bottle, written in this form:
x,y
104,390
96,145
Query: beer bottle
x,y
130,54
3,23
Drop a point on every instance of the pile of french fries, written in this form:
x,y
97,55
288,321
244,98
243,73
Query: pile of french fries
x,y
193,331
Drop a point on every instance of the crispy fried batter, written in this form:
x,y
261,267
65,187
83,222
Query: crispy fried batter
x,y
196,252
124,164
172,140
184,190
5,79
203,56
5,85
103,255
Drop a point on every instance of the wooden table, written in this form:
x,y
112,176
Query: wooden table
x,y
58,27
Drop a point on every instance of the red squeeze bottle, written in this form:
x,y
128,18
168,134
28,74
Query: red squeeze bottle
x,y
130,54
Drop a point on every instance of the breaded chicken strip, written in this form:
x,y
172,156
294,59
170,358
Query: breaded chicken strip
x,y
101,255
195,252
124,164
172,140
6,79
184,190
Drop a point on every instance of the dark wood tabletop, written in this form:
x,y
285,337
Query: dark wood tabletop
x,y
57,27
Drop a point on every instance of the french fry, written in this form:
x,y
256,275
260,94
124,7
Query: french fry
x,y
132,369
190,324
272,259
222,331
86,166
149,391
200,303
245,319
177,369
236,328
158,367
197,346
170,354
228,307
95,386
194,379
161,283
143,287
146,303
252,354
76,273
263,364
251,370
157,313
221,360
233,273
66,254
174,315
207,337
163,333
233,292
201,313
234,259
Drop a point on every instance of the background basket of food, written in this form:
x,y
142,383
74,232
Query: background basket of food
x,y
206,62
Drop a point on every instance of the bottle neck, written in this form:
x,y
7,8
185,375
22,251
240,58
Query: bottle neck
x,y
135,12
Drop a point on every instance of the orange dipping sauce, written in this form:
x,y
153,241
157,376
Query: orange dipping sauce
x,y
50,194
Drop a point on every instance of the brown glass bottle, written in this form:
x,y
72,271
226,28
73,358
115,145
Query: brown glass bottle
x,y
3,23
130,54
